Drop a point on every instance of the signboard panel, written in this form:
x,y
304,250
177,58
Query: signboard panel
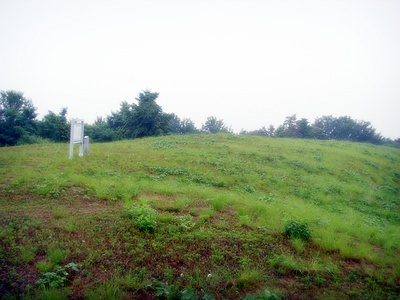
x,y
77,132
76,136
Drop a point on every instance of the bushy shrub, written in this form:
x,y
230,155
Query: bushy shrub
x,y
298,230
144,217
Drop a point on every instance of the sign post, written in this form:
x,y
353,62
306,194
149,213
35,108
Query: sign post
x,y
86,144
76,137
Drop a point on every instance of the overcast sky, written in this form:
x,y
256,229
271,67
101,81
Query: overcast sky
x,y
248,62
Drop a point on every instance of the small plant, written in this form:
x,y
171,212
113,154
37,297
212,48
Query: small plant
x,y
190,294
166,291
245,221
144,217
320,281
248,278
249,189
53,293
185,222
73,266
59,212
298,244
53,279
353,275
171,291
44,266
27,254
56,255
298,230
58,277
266,295
106,290
135,281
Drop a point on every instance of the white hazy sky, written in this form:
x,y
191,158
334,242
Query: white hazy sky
x,y
248,62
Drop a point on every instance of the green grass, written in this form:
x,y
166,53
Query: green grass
x,y
207,218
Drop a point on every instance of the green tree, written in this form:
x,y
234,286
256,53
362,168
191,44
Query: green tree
x,y
304,129
324,127
17,118
366,133
345,128
294,128
122,121
55,127
289,127
175,124
100,131
188,126
213,125
261,132
149,119
139,120
181,126
271,130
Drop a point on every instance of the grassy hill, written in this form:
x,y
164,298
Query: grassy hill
x,y
200,217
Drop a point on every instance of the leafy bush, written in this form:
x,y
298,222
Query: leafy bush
x,y
58,277
144,217
298,230
53,279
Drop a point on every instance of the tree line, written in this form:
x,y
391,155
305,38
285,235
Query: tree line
x,y
325,128
19,124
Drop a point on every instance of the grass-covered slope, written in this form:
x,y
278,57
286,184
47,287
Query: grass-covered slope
x,y
200,216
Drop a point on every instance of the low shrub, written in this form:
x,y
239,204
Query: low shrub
x,y
144,217
298,230
58,277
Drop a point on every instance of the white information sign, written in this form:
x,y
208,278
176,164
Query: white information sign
x,y
77,132
76,136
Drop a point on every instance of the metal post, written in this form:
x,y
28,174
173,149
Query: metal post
x,y
86,145
81,140
71,140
